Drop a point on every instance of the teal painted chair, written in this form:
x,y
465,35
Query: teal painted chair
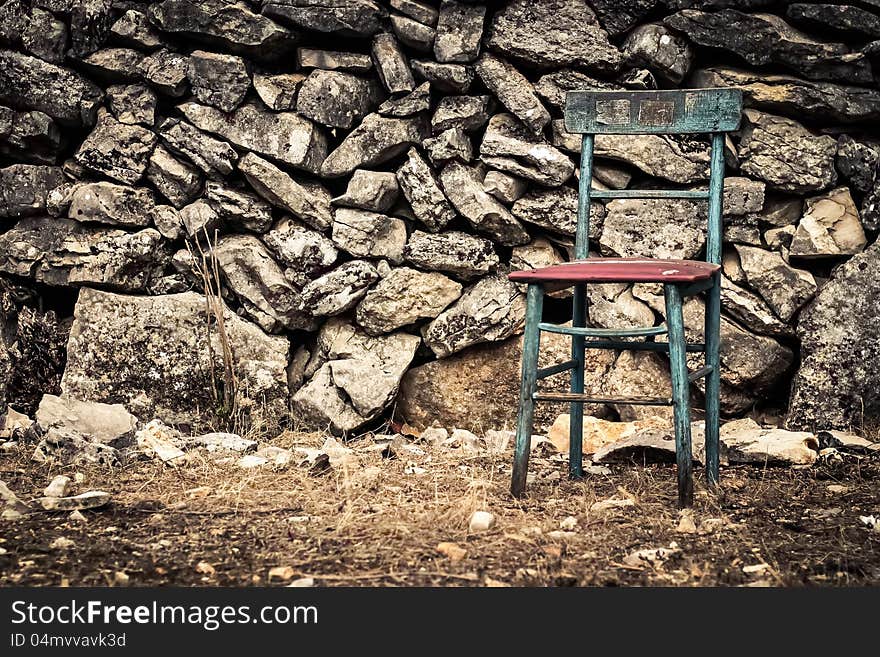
x,y
591,113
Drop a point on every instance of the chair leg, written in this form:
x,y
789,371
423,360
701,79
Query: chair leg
x,y
576,412
680,394
713,380
528,385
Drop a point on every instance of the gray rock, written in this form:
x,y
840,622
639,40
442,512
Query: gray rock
x,y
830,227
133,104
333,60
354,377
337,100
278,91
229,26
451,78
463,186
779,239
751,311
167,221
358,18
391,64
680,160
200,221
618,16
835,18
29,136
418,100
283,136
553,34
839,334
118,352
133,29
114,65
509,146
514,91
403,297
258,282
820,101
783,287
304,252
467,113
89,24
166,71
504,187
537,254
614,306
64,252
462,255
553,86
654,228
305,200
784,154
94,499
376,140
417,36
781,211
239,209
45,36
459,31
556,210
422,190
29,83
179,182
858,162
370,190
338,290
117,150
742,196
763,39
489,311
660,50
420,11
109,203
213,156
744,441
109,424
453,144
218,80
369,234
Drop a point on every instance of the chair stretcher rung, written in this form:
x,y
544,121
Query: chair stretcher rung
x,y
639,346
649,193
544,372
699,374
585,398
591,332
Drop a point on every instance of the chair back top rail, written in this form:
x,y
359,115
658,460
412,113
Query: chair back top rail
x,y
685,111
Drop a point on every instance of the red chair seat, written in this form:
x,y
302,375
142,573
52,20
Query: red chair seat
x,y
619,270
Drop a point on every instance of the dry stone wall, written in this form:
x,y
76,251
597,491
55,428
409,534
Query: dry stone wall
x,y
363,174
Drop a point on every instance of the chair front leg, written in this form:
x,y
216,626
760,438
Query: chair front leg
x,y
680,394
713,379
576,411
528,385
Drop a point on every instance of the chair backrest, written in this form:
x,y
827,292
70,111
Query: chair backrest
x,y
684,111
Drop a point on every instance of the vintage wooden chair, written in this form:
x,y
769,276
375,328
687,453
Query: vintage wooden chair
x,y
591,113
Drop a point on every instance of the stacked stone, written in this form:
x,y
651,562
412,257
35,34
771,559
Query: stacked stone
x,y
364,174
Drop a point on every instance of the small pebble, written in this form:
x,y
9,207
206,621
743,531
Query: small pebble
x,y
568,523
481,521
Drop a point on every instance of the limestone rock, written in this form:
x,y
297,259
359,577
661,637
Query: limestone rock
x,y
305,200
742,196
422,190
744,441
785,154
489,311
680,160
467,113
463,186
29,83
452,144
370,190
339,289
551,34
109,424
109,203
639,374
45,36
452,78
259,284
836,18
200,221
376,140
459,31
391,64
167,221
839,334
556,210
418,100
514,91
504,187
417,36
751,311
239,209
119,347
91,500
117,150
598,433
65,252
762,39
29,136
358,18
553,87
336,99
508,145
354,377
133,29
659,49
279,92
830,227
304,252
218,80
333,60
166,72
369,234
462,255
114,65
25,188
282,136
403,297
420,11
89,24
655,228
133,104
618,16
783,287
536,254
213,156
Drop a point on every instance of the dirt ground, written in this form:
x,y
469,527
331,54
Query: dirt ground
x,y
377,520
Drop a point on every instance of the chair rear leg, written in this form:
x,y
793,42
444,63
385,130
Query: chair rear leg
x,y
680,395
528,385
576,412
713,380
